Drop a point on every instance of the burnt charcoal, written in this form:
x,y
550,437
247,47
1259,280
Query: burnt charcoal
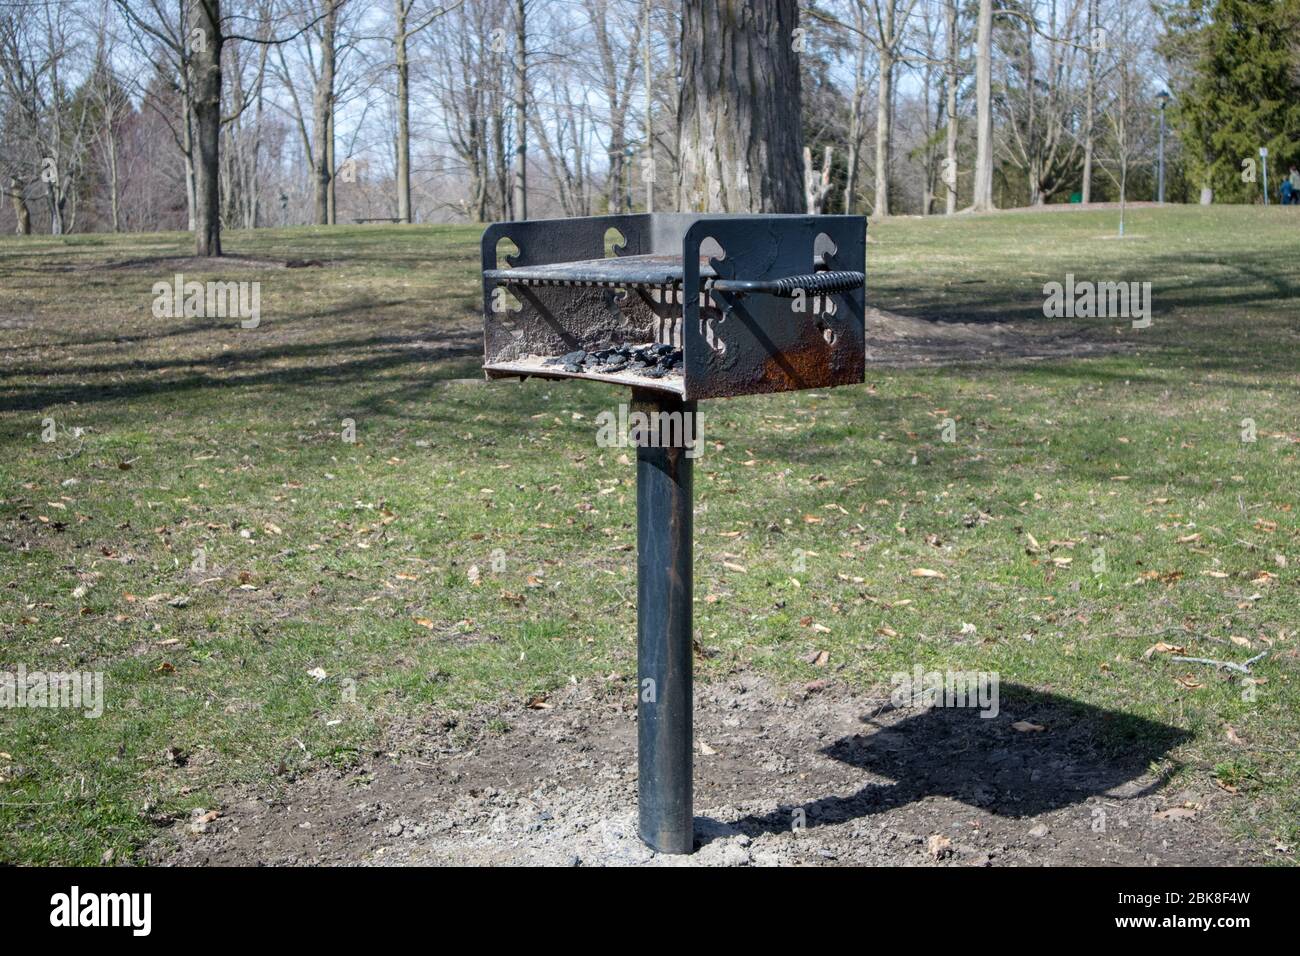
x,y
663,349
656,372
573,358
636,366
573,369
613,367
553,360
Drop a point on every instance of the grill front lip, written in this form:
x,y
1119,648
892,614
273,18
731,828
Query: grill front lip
x,y
533,368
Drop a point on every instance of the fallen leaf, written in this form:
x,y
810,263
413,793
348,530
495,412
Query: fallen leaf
x,y
938,846
927,573
1160,647
1026,727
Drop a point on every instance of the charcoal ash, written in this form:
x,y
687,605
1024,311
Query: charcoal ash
x,y
654,360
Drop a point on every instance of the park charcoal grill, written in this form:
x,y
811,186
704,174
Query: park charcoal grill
x,y
679,307
736,304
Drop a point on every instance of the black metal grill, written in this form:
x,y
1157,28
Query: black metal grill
x,y
679,307
775,302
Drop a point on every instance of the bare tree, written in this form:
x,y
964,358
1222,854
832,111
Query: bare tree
x,y
1039,97
890,20
952,79
1090,102
983,184
1126,109
53,132
520,191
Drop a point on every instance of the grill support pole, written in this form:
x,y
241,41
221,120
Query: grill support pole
x,y
664,592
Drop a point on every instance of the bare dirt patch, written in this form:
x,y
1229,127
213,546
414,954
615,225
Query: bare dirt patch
x,y
203,264
873,785
900,340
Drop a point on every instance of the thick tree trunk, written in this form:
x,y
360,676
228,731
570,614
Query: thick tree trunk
x,y
884,133
205,66
22,217
983,198
738,114
323,111
403,115
521,112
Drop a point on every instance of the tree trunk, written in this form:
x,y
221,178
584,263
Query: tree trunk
x,y
1090,106
333,168
880,208
521,112
950,139
738,114
817,185
205,65
855,130
114,189
187,145
22,217
323,110
403,115
983,199
648,163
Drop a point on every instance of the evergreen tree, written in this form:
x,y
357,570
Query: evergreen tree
x,y
1242,94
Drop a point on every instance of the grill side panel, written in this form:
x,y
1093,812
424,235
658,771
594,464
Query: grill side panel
x,y
743,344
553,320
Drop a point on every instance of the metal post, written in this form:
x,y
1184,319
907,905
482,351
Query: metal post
x,y
664,592
1160,189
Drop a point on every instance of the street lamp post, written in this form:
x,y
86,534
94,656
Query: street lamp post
x,y
1263,158
1163,97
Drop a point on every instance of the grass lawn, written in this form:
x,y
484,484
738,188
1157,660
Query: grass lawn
x,y
263,596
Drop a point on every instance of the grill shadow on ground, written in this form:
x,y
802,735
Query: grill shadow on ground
x,y
1083,751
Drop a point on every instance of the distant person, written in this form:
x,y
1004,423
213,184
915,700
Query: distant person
x,y
1288,192
1293,180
